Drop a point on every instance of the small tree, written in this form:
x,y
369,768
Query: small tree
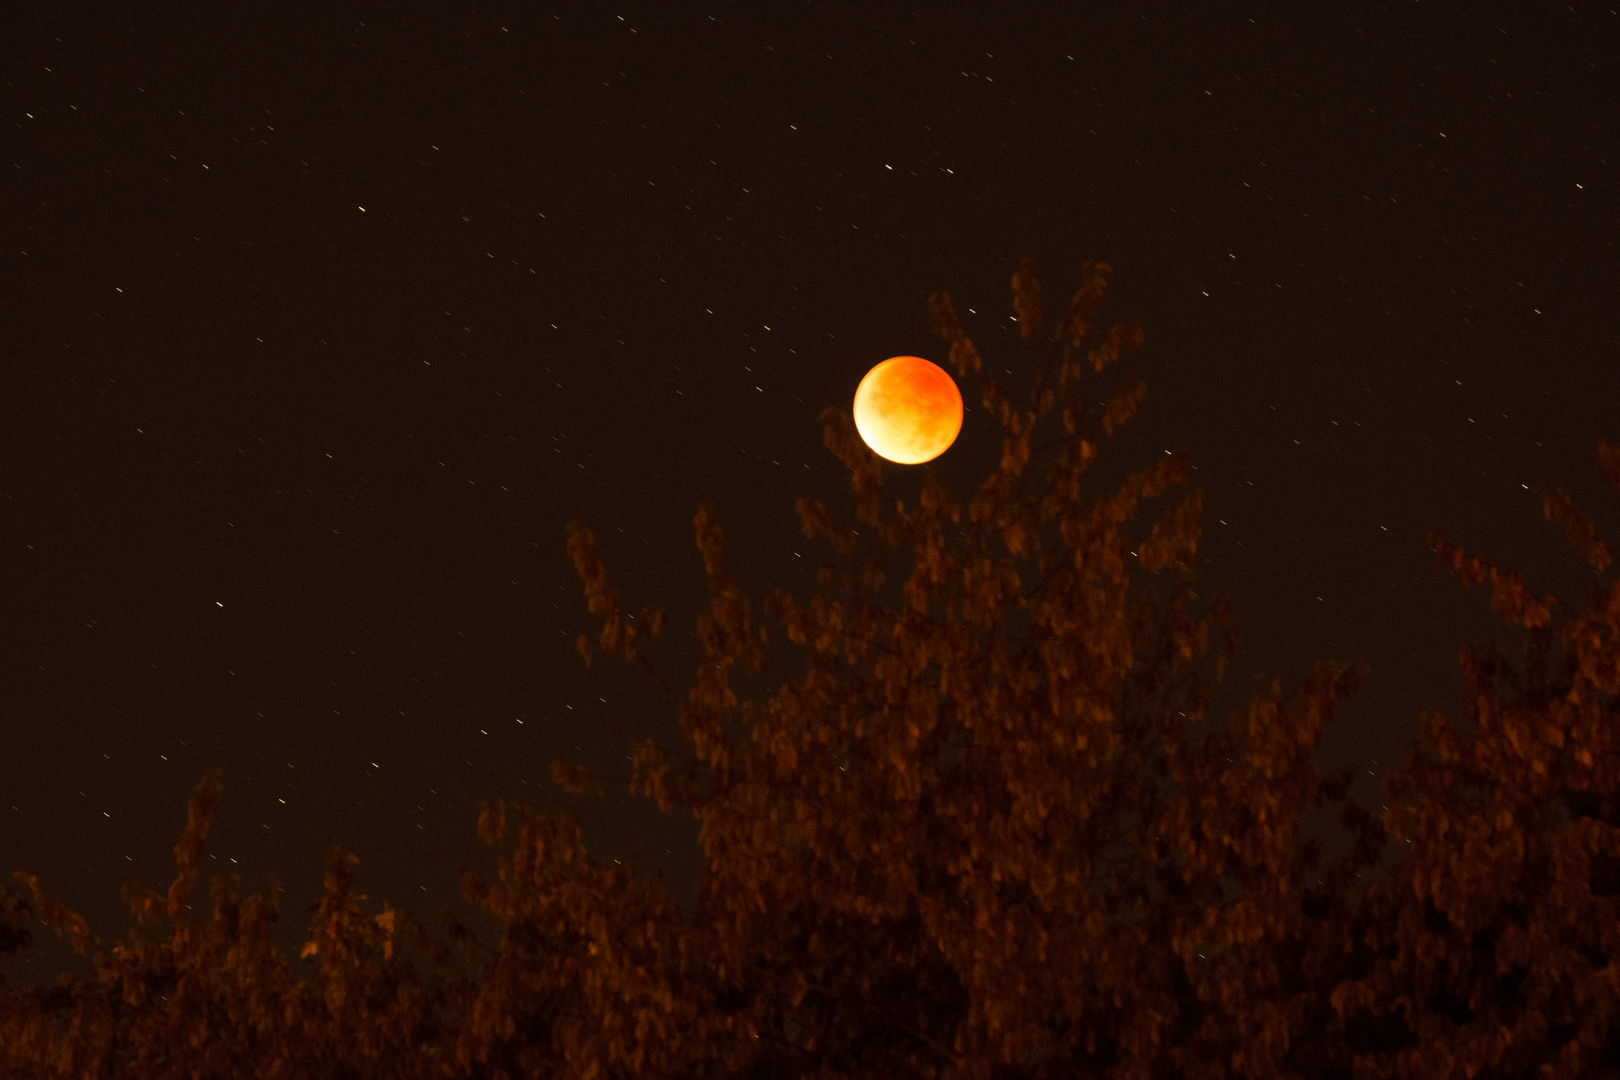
x,y
188,995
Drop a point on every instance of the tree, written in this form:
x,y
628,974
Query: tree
x,y
945,846
1493,944
192,996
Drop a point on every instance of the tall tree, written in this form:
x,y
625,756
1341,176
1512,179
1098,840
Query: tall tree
x,y
966,834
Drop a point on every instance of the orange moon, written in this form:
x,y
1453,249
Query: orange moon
x,y
908,410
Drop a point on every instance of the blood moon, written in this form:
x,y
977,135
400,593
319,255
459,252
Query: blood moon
x,y
908,410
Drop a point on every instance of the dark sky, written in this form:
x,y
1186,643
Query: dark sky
x,y
319,322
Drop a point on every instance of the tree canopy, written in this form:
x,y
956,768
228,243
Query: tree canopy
x,y
955,824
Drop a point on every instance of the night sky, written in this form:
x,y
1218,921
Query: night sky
x,y
319,322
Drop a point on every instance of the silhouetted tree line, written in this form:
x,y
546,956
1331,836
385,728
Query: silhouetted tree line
x,y
971,837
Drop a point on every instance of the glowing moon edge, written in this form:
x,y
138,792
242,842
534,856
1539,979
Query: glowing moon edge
x,y
908,410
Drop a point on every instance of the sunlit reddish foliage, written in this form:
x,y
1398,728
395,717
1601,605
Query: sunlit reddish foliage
x,y
955,825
